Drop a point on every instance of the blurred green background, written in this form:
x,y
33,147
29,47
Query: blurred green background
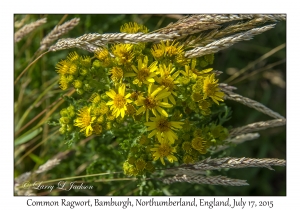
x,y
37,90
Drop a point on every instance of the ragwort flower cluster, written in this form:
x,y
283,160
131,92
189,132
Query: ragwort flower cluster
x,y
165,100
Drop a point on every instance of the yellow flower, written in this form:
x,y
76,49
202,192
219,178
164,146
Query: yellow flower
x,y
140,164
73,56
85,61
95,98
211,89
63,82
85,120
129,169
118,104
161,127
182,60
153,101
73,69
104,57
123,53
158,51
143,73
199,144
132,28
190,71
97,129
162,150
130,110
204,104
63,66
188,159
166,49
168,80
116,74
196,96
103,108
186,146
173,49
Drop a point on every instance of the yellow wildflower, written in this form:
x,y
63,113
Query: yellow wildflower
x,y
132,28
103,108
63,66
73,56
162,150
85,120
161,127
130,109
172,50
190,71
97,129
123,53
166,49
143,73
85,61
199,144
211,89
186,146
188,159
168,80
118,104
63,82
158,51
104,57
140,164
116,73
153,101
95,98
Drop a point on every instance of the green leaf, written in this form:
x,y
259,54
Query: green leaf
x,y
27,136
36,159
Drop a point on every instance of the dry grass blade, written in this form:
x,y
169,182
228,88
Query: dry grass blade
x,y
28,28
187,28
20,23
92,42
20,188
198,23
237,140
226,162
256,127
57,32
229,30
211,180
223,18
234,28
22,178
226,42
229,162
215,18
251,103
48,165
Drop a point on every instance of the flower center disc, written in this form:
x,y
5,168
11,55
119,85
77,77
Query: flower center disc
x,y
86,119
143,74
163,125
119,101
164,150
210,89
150,102
167,82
